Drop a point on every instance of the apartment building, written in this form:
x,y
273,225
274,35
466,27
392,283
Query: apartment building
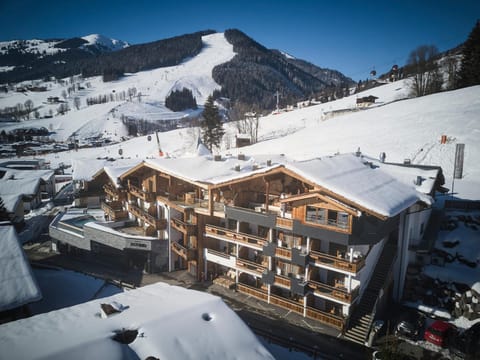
x,y
310,236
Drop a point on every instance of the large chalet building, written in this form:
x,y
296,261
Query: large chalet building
x,y
327,238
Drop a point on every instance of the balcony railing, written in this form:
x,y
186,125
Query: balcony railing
x,y
312,313
159,224
114,210
255,242
186,253
330,261
250,267
282,281
141,194
333,293
110,190
283,253
182,226
284,223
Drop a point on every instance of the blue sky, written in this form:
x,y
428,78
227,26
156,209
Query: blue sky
x,y
350,36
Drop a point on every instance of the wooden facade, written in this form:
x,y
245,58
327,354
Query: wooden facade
x,y
261,250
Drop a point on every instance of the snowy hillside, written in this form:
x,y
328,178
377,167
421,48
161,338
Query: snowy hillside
x,y
151,88
407,129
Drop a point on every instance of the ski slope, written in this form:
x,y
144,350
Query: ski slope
x,y
154,85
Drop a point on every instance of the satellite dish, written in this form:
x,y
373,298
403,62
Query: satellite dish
x,y
120,152
149,138
373,73
395,67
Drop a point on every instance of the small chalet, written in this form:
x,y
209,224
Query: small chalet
x,y
366,101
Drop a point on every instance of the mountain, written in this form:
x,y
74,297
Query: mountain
x,y
250,78
90,56
256,73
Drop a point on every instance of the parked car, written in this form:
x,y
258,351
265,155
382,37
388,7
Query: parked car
x,y
438,333
466,346
410,325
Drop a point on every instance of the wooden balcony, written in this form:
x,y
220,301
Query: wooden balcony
x,y
184,227
330,261
252,241
141,194
250,267
182,251
312,313
282,281
333,293
284,223
114,210
110,190
284,253
159,224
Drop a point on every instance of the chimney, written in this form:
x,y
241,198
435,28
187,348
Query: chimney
x,y
269,162
237,167
406,161
241,156
217,157
418,181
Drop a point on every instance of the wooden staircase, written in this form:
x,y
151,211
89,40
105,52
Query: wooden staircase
x,y
362,318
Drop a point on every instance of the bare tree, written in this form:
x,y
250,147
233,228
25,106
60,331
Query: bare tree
x,y
28,108
422,65
76,102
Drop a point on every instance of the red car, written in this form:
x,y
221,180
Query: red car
x,y
438,332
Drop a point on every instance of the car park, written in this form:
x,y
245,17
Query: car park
x,y
410,325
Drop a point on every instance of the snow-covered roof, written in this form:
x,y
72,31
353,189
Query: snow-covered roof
x,y
408,175
348,176
86,169
172,323
204,169
345,175
10,201
25,185
17,283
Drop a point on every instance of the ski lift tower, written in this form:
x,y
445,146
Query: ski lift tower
x,y
277,94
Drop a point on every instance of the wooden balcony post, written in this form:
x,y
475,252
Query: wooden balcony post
x,y
267,197
210,202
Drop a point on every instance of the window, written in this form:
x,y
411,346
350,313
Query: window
x,y
327,217
332,217
316,215
342,220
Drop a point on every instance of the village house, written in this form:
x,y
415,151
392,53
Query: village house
x,y
31,185
19,287
317,237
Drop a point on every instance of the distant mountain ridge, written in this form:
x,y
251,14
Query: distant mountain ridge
x,y
251,78
256,73
95,43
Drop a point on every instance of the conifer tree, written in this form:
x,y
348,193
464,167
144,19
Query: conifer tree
x,y
212,129
470,69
